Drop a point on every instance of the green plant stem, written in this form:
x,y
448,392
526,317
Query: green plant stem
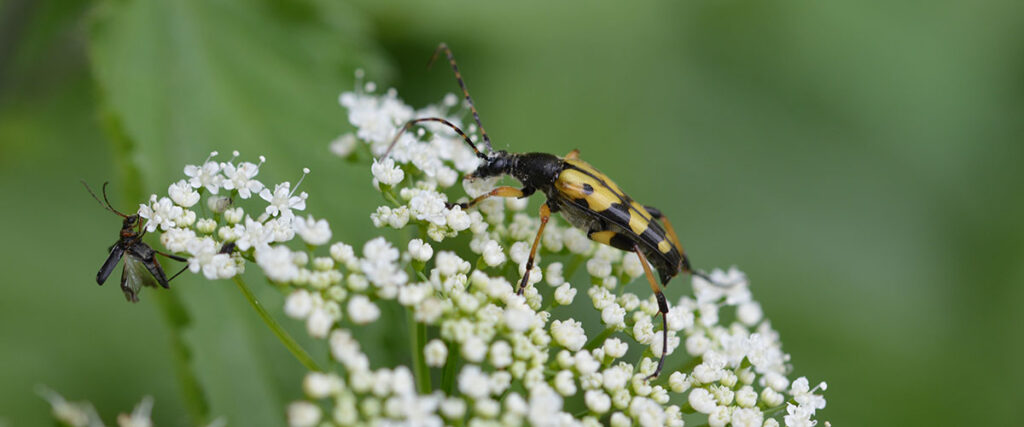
x,y
574,264
191,389
448,376
418,338
276,328
599,339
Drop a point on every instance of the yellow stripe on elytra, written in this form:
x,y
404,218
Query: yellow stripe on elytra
x,y
664,246
638,221
571,183
586,167
604,237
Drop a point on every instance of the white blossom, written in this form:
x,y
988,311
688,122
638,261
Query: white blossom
x,y
282,201
277,263
493,255
565,294
242,178
206,176
361,310
420,250
569,334
436,352
344,145
182,194
313,231
473,382
303,414
386,172
160,213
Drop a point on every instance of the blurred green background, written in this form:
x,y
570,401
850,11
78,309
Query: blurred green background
x,y
861,161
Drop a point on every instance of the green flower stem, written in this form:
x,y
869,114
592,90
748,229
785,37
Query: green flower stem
x,y
389,195
448,376
275,327
599,339
418,338
769,412
574,264
684,367
192,390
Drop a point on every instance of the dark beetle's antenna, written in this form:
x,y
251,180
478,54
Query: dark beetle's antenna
x,y
108,206
458,77
433,119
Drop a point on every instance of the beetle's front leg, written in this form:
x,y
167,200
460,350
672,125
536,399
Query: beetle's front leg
x,y
545,215
503,191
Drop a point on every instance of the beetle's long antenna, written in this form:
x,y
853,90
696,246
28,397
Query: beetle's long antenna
x,y
108,206
432,119
458,77
709,280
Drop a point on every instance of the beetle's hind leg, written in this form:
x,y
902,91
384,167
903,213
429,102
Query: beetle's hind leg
x,y
662,308
545,215
176,258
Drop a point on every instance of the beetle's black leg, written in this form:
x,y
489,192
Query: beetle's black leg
x,y
545,215
662,308
172,256
503,191
465,92
176,258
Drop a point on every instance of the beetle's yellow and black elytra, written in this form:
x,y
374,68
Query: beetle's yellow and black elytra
x,y
585,197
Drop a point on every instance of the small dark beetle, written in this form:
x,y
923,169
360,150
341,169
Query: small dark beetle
x,y
586,198
141,267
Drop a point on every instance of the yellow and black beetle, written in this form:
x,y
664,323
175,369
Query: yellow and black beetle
x,y
585,197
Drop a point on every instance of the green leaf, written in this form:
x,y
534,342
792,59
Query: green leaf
x,y
187,77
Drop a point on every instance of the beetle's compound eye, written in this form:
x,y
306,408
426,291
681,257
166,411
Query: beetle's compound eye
x,y
494,166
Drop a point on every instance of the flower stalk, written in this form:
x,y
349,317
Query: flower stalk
x,y
282,335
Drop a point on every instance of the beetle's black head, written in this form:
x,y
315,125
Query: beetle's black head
x,y
496,163
130,221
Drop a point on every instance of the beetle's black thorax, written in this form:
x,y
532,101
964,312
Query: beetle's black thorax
x,y
536,170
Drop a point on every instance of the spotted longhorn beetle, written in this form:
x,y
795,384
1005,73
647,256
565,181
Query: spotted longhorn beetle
x,y
585,197
141,267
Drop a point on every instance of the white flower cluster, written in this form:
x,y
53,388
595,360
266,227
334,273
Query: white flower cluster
x,y
506,359
496,358
202,230
83,414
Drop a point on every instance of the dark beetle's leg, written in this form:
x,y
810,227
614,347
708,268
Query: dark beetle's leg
x,y
174,257
662,308
545,215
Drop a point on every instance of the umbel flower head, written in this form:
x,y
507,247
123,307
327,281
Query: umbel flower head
x,y
481,354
